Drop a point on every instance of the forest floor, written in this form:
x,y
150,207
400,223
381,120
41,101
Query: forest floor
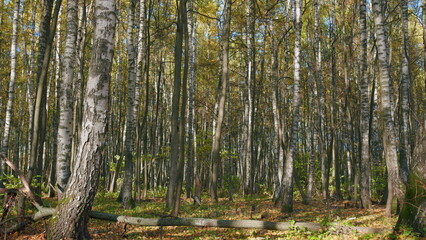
x,y
252,207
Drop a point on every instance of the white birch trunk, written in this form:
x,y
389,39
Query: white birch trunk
x,y
365,116
65,98
73,214
11,92
389,135
287,184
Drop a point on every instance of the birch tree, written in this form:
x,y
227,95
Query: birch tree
x,y
126,190
70,221
11,92
63,158
364,120
287,184
192,29
389,135
405,152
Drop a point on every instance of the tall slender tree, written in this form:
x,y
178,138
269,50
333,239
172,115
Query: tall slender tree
x,y
65,84
215,153
364,120
389,135
319,79
47,35
192,29
405,152
287,184
127,188
249,99
11,92
73,215
173,193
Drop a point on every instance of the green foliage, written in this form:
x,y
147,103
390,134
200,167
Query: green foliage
x,y
235,183
11,181
378,182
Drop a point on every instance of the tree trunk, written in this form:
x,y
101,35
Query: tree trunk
x,y
139,76
11,92
176,102
364,121
287,184
73,214
192,29
389,136
249,99
215,153
322,114
278,135
63,158
319,81
405,149
39,118
127,189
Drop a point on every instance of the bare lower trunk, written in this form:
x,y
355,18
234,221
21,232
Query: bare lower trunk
x,y
39,118
215,154
73,215
11,92
287,184
173,191
364,122
249,99
63,158
405,152
127,187
389,135
192,26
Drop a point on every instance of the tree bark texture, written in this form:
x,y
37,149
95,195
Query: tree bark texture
x,y
215,153
249,99
11,92
39,118
364,120
129,143
405,152
287,184
192,29
172,191
64,143
389,135
72,216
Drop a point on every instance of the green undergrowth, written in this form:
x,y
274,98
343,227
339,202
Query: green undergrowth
x,y
255,207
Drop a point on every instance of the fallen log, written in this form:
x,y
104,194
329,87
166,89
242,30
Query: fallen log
x,y
207,222
161,222
256,224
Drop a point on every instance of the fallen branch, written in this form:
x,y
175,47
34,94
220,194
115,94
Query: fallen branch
x,y
206,222
197,222
26,189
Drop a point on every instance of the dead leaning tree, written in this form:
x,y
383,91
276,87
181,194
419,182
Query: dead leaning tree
x,y
43,212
